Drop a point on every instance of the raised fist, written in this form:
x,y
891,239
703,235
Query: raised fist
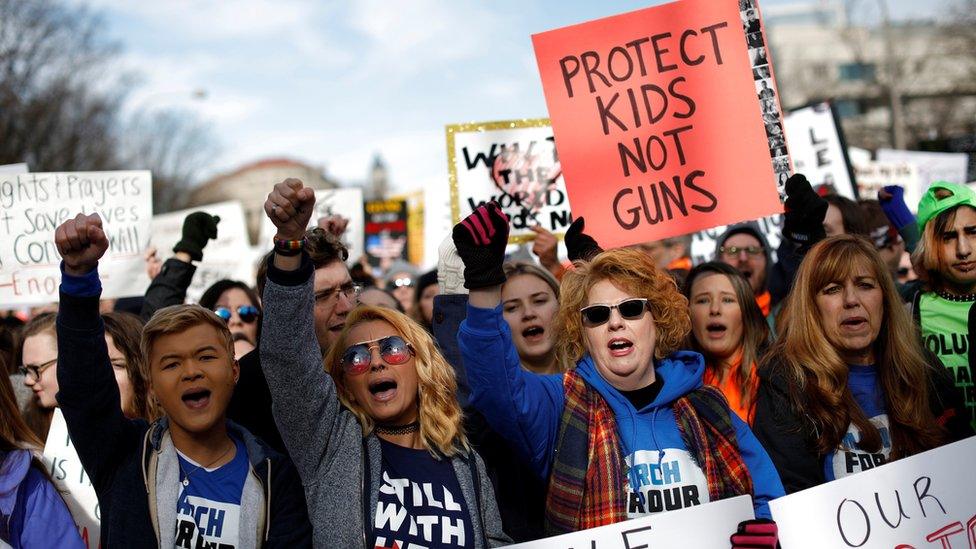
x,y
198,229
81,243
480,240
333,224
545,247
290,206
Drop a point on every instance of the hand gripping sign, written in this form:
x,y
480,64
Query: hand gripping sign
x,y
667,119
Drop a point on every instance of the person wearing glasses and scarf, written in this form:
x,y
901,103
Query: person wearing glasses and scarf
x,y
630,430
377,433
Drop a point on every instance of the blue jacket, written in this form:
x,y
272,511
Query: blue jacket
x,y
525,408
129,460
32,513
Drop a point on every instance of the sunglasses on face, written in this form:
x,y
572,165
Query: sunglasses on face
x,y
630,309
32,371
247,313
403,283
393,349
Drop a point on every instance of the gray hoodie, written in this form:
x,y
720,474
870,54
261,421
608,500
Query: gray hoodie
x,y
325,440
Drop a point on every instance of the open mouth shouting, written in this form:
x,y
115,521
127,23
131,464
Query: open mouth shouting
x,y
534,334
716,330
854,324
196,398
383,389
620,346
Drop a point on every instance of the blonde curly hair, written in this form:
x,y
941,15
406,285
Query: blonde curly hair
x,y
441,429
635,273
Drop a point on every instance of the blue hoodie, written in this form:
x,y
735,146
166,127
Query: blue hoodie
x,y
525,408
32,511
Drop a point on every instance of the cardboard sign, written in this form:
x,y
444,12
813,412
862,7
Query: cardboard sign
x,y
932,166
33,205
225,257
71,480
650,145
702,526
926,500
345,202
818,149
385,232
872,176
514,163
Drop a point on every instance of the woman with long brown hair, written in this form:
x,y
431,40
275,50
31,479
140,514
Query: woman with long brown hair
x,y
846,386
32,513
729,330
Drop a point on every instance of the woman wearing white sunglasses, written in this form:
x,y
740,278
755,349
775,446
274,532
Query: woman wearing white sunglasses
x,y
630,431
378,444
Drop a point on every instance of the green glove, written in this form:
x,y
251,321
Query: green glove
x,y
198,229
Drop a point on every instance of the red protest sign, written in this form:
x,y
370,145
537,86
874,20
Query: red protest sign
x,y
658,115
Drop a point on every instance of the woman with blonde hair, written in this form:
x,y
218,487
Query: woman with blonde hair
x,y
729,330
630,430
381,416
846,387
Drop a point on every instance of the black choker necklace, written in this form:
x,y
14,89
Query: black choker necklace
x,y
953,297
397,429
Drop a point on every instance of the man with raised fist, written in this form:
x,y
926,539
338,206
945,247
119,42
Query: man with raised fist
x,y
192,478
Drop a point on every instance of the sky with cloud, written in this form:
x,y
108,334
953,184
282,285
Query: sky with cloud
x,y
333,83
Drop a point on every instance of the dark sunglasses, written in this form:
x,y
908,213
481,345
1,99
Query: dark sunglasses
x,y
630,309
357,358
247,313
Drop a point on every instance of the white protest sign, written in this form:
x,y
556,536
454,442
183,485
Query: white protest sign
x,y
702,526
932,166
71,480
345,202
33,205
858,155
226,257
704,242
872,176
816,147
926,500
20,167
514,163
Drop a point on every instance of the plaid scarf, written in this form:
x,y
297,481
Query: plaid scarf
x,y
586,484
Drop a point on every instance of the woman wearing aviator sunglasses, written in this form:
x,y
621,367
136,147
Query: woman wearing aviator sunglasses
x,y
378,443
238,305
628,432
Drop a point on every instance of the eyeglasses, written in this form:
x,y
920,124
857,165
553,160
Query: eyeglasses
x,y
403,282
630,309
350,289
734,250
31,371
393,349
247,313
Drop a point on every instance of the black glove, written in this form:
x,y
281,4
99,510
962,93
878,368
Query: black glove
x,y
480,240
198,229
756,534
579,245
805,212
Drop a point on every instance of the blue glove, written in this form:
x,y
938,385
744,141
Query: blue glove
x,y
892,200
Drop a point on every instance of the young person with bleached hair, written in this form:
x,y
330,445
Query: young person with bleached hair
x,y
630,430
378,443
192,478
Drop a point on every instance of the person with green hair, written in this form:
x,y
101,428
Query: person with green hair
x,y
945,259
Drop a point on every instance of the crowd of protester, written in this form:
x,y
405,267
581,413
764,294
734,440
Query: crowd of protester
x,y
490,401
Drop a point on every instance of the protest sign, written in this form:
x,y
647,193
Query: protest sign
x,y
818,149
385,232
8,169
513,162
33,205
873,175
926,500
932,166
345,202
649,145
71,480
702,526
438,221
225,257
